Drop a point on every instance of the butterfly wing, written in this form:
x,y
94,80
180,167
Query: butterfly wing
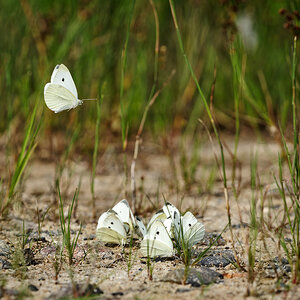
x,y
160,215
140,227
196,234
168,223
193,231
157,241
124,212
110,229
169,210
177,226
62,76
58,98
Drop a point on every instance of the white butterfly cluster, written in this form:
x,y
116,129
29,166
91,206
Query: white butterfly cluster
x,y
165,228
115,224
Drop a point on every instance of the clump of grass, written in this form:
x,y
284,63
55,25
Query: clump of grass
x,y
28,146
292,207
65,225
212,121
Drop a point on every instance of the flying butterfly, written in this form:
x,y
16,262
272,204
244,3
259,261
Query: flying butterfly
x,y
61,93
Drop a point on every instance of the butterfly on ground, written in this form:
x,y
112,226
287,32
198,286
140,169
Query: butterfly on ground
x,y
116,224
167,225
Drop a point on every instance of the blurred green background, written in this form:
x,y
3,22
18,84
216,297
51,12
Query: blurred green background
x,y
89,36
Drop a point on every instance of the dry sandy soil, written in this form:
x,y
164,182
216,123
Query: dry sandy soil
x,y
106,267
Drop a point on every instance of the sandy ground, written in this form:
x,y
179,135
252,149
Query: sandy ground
x,y
107,267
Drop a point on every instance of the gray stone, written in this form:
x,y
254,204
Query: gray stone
x,y
219,259
209,238
76,290
182,290
195,277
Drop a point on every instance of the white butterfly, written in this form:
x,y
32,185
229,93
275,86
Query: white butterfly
x,y
157,241
141,229
164,215
125,214
169,210
61,93
111,229
188,229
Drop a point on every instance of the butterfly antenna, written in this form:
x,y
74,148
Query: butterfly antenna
x,y
88,99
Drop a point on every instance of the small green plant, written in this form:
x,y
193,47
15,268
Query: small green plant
x,y
40,218
67,242
253,223
21,256
130,255
64,158
58,260
149,262
189,163
95,153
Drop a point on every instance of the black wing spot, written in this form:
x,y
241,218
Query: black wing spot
x,y
109,227
63,79
112,223
157,232
190,225
57,66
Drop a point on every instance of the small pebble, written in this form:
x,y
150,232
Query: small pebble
x,y
195,277
219,259
32,288
5,264
90,237
117,294
181,290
